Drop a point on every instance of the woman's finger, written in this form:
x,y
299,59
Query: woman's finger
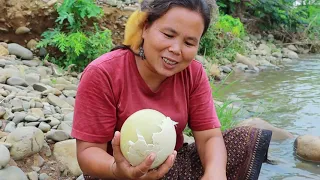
x,y
117,154
144,167
164,168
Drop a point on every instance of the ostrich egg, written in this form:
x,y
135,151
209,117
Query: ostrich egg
x,y
147,131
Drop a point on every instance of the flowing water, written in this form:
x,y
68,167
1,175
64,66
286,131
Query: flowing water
x,y
289,99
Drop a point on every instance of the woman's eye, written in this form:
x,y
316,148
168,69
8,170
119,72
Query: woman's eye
x,y
189,44
168,35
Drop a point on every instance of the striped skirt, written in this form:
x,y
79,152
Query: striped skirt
x,y
247,149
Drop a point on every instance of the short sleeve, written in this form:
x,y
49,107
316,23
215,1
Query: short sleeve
x,y
202,112
95,110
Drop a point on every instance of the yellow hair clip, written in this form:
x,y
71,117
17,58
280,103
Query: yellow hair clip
x,y
133,29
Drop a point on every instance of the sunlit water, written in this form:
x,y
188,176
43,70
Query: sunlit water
x,y
288,99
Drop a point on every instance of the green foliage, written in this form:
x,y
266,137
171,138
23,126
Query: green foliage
x,y
78,43
223,39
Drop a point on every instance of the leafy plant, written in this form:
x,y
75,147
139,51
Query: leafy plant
x,y
223,39
78,43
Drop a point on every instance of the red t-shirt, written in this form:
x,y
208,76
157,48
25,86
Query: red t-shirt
x,y
111,89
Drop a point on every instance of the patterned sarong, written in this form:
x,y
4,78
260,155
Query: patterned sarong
x,y
247,149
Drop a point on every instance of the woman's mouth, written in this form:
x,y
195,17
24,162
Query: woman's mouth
x,y
168,61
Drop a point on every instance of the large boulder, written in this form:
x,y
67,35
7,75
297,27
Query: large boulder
x,y
25,141
277,133
20,51
308,147
66,154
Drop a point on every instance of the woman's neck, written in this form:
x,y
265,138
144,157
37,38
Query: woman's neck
x,y
151,78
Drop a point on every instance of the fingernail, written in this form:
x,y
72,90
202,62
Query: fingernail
x,y
152,157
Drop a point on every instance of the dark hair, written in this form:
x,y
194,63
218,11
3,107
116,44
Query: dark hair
x,y
157,8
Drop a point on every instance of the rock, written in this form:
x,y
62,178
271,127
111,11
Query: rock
x,y
289,53
22,30
4,44
244,60
20,51
226,69
308,147
31,118
66,126
18,117
277,54
12,173
40,87
38,161
241,66
32,78
31,63
32,175
264,49
65,154
10,127
2,111
3,51
44,176
293,55
57,135
32,44
69,93
25,141
214,70
5,156
56,101
44,127
277,133
292,48
16,81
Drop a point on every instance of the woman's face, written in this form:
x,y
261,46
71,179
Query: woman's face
x,y
172,41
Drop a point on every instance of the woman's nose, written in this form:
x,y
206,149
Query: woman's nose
x,y
175,48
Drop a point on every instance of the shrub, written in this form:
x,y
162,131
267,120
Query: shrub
x,y
223,39
78,42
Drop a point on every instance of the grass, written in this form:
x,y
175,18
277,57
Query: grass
x,y
225,111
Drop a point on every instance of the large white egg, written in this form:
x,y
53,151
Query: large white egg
x,y
147,131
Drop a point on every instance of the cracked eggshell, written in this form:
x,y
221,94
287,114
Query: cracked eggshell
x,y
147,131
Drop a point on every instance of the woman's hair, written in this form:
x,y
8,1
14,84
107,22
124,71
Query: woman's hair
x,y
157,8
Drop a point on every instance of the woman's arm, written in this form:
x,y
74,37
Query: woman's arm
x,y
212,152
94,160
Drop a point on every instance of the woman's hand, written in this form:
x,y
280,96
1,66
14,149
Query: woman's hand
x,y
122,169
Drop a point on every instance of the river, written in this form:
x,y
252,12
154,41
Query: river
x,y
289,99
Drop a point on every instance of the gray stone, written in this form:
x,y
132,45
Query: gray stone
x,y
40,87
10,127
5,156
32,78
20,51
57,135
16,81
25,141
56,101
18,117
32,175
226,69
31,63
69,93
45,127
12,173
53,121
31,118
44,176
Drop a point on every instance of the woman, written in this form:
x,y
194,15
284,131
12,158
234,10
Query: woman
x,y
156,69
